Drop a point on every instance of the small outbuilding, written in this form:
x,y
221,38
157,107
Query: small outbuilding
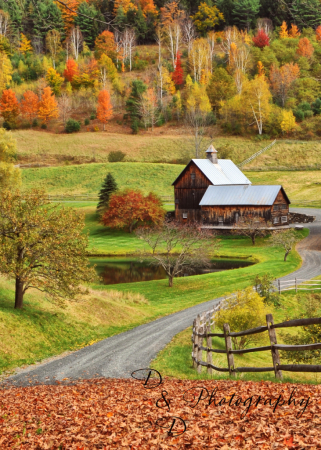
x,y
229,205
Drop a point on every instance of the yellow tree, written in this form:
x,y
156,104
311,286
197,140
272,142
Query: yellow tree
x,y
48,106
200,58
10,176
260,69
25,44
198,119
126,5
284,31
5,71
257,100
207,17
288,121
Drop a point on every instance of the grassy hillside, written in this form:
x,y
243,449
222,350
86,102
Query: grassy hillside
x,y
87,179
163,145
42,329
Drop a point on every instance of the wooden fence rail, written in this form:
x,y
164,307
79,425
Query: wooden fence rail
x,y
202,329
299,284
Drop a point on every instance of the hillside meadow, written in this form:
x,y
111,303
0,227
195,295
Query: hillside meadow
x,y
174,144
87,179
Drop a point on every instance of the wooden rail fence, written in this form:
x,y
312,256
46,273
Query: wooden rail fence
x,y
299,284
90,197
202,329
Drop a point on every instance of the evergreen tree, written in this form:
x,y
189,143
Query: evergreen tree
x,y
132,104
245,13
121,19
17,14
88,25
109,187
46,16
226,8
136,19
306,14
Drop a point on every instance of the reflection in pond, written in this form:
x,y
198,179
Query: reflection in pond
x,y
128,270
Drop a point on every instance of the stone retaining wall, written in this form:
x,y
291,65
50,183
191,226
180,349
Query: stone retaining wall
x,y
300,218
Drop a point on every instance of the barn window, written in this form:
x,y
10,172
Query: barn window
x,y
176,201
275,207
276,220
284,219
283,206
184,215
193,176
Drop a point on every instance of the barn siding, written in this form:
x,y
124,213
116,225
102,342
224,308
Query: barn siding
x,y
189,191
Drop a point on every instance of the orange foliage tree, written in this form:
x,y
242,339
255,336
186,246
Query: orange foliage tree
x,y
305,48
48,106
29,106
294,31
130,208
318,33
105,44
104,108
171,12
71,69
282,79
148,7
126,5
69,13
9,106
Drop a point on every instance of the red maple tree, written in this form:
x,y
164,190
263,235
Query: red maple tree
x,y
261,39
71,69
9,106
129,208
178,74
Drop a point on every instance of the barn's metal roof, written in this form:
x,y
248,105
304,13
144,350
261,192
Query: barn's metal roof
x,y
223,173
240,195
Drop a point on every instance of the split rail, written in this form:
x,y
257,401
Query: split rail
x,y
203,327
299,284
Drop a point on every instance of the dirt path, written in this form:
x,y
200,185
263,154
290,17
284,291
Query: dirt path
x,y
118,356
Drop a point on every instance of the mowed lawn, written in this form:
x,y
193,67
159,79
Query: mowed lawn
x,y
88,178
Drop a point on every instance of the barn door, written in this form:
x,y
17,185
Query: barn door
x,y
236,217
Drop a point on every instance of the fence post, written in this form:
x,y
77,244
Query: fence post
x,y
279,283
209,346
296,286
228,346
273,341
195,342
200,351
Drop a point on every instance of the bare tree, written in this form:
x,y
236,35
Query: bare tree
x,y
148,108
159,39
211,43
118,42
128,40
189,33
285,239
4,23
252,227
76,41
64,105
174,35
266,25
178,248
37,45
53,44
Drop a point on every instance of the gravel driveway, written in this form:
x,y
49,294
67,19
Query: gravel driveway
x,y
118,356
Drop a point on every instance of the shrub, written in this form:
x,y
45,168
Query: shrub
x,y
96,128
44,126
35,123
6,125
264,287
72,126
116,156
185,53
245,311
316,106
87,122
299,115
92,116
135,126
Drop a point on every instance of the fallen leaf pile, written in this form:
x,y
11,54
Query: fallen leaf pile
x,y
121,413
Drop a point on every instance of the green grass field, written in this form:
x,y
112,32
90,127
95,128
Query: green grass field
x,y
42,329
175,359
87,179
166,144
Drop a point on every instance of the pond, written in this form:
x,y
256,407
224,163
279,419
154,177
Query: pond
x,y
113,270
